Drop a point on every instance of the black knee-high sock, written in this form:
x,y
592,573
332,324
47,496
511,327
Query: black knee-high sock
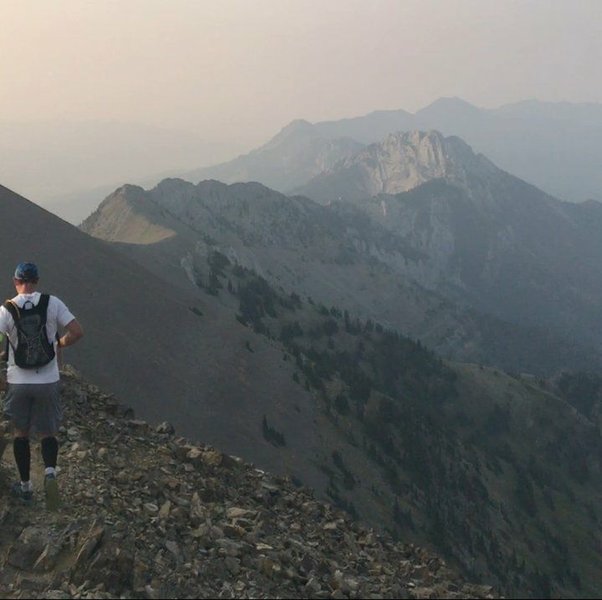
x,y
50,451
22,456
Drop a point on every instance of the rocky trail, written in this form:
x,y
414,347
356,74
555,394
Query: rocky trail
x,y
147,514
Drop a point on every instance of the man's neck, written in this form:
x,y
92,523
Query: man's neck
x,y
25,288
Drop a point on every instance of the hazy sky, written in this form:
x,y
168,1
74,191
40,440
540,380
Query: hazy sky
x,y
241,69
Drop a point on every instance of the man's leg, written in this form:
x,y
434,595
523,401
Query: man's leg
x,y
46,417
22,452
17,408
50,452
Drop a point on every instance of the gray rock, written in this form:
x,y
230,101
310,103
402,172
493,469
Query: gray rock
x,y
28,547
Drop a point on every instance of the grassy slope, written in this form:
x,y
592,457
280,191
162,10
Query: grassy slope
x,y
483,465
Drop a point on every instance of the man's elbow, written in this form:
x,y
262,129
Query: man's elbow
x,y
79,334
75,330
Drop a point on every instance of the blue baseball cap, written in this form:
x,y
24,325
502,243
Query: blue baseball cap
x,y
26,271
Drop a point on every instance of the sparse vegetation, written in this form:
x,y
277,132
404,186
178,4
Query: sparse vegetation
x,y
442,456
271,435
348,478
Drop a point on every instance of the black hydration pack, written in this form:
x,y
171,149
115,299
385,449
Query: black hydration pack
x,y
33,349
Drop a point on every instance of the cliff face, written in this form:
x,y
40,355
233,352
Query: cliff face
x,y
401,162
147,514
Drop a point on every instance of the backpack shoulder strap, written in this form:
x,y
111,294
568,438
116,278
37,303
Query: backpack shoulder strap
x,y
44,300
15,313
43,306
13,309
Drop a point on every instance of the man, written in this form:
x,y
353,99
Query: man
x,y
32,322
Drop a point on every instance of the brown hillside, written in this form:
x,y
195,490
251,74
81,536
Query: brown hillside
x,y
144,342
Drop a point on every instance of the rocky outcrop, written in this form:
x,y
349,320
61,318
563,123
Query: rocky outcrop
x,y
401,162
147,514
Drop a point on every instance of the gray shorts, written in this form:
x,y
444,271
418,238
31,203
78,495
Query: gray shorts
x,y
34,406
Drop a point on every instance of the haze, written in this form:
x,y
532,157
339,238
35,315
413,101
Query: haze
x,y
232,73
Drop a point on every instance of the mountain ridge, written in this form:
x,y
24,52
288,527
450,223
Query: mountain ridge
x,y
294,242
555,146
552,145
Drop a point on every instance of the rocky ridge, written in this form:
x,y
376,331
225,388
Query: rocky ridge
x,y
412,262
401,162
147,514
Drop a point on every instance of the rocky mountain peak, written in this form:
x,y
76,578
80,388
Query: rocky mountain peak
x,y
402,161
446,106
190,522
295,129
433,152
296,125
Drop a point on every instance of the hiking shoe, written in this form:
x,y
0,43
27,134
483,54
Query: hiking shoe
x,y
16,491
51,489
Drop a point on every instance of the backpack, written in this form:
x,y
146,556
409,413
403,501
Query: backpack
x,y
33,349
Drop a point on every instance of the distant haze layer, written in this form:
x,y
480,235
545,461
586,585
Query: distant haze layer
x,y
238,70
98,94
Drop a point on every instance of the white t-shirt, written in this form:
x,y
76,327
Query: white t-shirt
x,y
58,317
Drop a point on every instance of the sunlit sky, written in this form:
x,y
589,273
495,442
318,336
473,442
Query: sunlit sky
x,y
244,68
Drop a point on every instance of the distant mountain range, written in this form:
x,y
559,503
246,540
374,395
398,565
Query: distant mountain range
x,y
285,329
290,159
555,146
70,167
465,233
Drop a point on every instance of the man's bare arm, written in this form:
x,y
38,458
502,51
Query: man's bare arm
x,y
73,334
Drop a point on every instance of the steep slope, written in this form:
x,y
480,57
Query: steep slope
x,y
441,454
481,465
191,522
505,248
168,348
338,257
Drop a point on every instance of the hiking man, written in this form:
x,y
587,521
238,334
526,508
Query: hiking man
x,y
32,322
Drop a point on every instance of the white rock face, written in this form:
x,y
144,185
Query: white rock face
x,y
400,163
